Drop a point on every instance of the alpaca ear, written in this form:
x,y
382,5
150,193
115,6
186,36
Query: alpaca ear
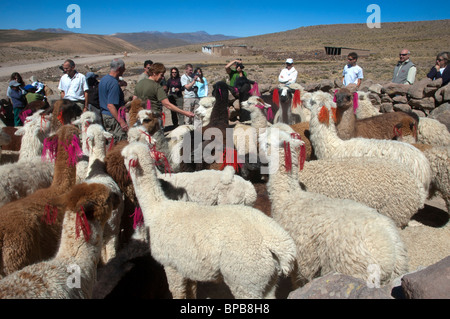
x,y
20,132
107,135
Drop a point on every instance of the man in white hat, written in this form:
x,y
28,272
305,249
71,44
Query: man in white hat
x,y
289,74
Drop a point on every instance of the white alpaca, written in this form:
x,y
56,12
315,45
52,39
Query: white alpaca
x,y
300,112
204,109
83,122
96,138
72,273
386,186
30,172
203,243
327,144
432,132
5,139
332,235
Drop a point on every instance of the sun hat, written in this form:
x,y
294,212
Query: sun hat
x,y
289,61
14,83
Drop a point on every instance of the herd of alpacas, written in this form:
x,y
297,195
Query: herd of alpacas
x,y
313,183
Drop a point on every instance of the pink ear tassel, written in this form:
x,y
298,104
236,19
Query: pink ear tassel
x,y
149,104
24,114
83,225
138,218
355,102
335,98
50,147
122,113
74,151
255,90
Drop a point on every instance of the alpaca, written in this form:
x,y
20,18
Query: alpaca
x,y
383,126
204,109
386,186
250,261
63,112
301,128
25,235
52,278
327,144
338,235
5,139
39,174
96,138
288,99
83,122
432,132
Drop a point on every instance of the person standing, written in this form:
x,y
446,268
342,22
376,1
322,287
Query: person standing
x,y
151,89
440,69
73,86
352,73
111,98
18,101
201,83
146,73
289,74
238,71
405,71
175,95
190,100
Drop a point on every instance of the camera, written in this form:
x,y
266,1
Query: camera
x,y
197,74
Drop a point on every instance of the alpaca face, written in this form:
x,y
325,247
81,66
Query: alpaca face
x,y
344,99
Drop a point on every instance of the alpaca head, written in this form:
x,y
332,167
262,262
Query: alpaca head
x,y
67,138
205,106
96,135
151,122
220,92
91,202
86,119
136,154
257,104
37,123
63,112
346,99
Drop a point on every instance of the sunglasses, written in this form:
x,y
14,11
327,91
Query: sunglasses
x,y
403,54
439,60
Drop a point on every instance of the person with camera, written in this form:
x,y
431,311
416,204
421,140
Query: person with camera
x,y
237,72
201,83
190,99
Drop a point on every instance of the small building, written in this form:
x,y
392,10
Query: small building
x,y
225,50
341,51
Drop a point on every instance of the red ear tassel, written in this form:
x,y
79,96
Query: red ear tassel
x,y
287,156
138,218
60,118
163,119
111,144
230,158
83,225
296,101
397,132
51,213
302,158
160,158
276,97
334,111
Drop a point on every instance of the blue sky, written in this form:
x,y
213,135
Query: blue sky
x,y
229,17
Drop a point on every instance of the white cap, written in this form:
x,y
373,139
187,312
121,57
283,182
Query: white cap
x,y
290,61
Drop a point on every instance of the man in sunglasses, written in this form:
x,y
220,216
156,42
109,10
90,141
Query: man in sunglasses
x,y
405,70
353,73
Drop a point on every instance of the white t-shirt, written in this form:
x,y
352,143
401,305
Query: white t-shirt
x,y
351,74
288,76
73,88
188,94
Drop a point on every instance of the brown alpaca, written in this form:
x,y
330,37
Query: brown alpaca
x,y
135,106
63,112
80,246
25,236
386,126
302,128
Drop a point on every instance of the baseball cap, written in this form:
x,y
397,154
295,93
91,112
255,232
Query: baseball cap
x,y
14,83
30,87
91,75
289,61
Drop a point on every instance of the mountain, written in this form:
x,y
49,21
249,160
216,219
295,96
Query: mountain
x,y
52,30
150,40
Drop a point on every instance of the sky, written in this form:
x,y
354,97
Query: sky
x,y
228,17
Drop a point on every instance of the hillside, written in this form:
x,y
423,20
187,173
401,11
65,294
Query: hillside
x,y
17,45
151,40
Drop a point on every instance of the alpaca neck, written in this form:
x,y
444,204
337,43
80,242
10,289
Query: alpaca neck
x,y
64,176
281,180
146,184
31,146
97,155
76,251
324,137
346,123
259,120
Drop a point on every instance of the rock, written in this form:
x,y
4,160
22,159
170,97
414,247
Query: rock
x,y
386,99
416,90
375,88
387,107
395,88
427,103
339,286
375,99
338,83
312,87
402,107
432,282
419,113
442,114
435,83
429,91
400,99
326,85
443,94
